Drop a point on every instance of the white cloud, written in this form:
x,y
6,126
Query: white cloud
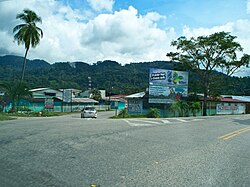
x,y
238,28
248,7
100,5
124,36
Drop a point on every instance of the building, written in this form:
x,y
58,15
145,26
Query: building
x,y
118,101
55,100
138,104
45,93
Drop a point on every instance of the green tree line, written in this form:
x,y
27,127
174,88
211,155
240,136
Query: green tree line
x,y
110,75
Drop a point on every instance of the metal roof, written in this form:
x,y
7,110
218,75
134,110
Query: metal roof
x,y
83,100
242,98
42,89
38,89
231,100
136,95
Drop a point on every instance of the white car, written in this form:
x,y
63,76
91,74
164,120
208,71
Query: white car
x,y
89,112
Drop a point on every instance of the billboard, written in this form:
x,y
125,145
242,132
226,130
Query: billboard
x,y
167,85
67,95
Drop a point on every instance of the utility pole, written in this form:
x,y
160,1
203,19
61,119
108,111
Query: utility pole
x,y
90,85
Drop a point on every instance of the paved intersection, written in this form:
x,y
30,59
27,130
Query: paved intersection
x,y
70,151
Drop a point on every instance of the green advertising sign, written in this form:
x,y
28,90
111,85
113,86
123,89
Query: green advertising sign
x,y
165,86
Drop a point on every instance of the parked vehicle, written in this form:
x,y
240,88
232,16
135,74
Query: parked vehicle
x,y
89,112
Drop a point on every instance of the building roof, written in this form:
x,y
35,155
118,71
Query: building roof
x,y
136,95
242,98
42,89
38,89
84,100
118,96
231,100
72,89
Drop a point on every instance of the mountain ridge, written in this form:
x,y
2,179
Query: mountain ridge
x,y
107,74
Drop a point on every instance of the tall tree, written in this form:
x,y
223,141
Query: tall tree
x,y
206,53
27,33
96,94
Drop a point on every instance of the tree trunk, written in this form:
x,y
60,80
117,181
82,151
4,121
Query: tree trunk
x,y
205,104
24,64
205,97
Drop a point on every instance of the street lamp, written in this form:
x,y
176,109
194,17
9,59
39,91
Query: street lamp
x,y
110,91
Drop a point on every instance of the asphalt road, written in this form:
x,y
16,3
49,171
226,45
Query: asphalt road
x,y
70,151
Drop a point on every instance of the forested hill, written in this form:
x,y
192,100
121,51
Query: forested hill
x,y
125,79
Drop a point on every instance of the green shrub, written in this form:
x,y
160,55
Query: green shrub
x,y
23,109
123,113
153,113
130,116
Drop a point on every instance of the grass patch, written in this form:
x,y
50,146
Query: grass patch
x,y
4,117
129,116
38,114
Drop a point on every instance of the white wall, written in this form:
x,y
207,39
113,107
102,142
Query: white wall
x,y
230,108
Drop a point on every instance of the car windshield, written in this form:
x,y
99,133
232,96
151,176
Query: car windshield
x,y
90,108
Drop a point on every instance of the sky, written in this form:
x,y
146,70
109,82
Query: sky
x,y
122,30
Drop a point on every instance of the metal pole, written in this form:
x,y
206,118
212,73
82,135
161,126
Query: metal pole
x,y
71,101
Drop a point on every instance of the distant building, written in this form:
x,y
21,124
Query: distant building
x,y
135,103
74,92
138,104
118,101
46,93
54,100
103,93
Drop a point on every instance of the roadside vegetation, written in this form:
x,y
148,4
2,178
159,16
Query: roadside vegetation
x,y
4,117
124,114
14,115
185,109
179,109
153,113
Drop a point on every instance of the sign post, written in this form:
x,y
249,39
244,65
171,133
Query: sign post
x,y
67,96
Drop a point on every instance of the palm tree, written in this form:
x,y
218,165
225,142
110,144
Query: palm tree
x,y
28,33
15,92
194,107
96,94
175,107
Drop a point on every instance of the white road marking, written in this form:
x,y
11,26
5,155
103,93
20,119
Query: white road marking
x,y
136,124
181,120
197,120
142,122
165,121
146,121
